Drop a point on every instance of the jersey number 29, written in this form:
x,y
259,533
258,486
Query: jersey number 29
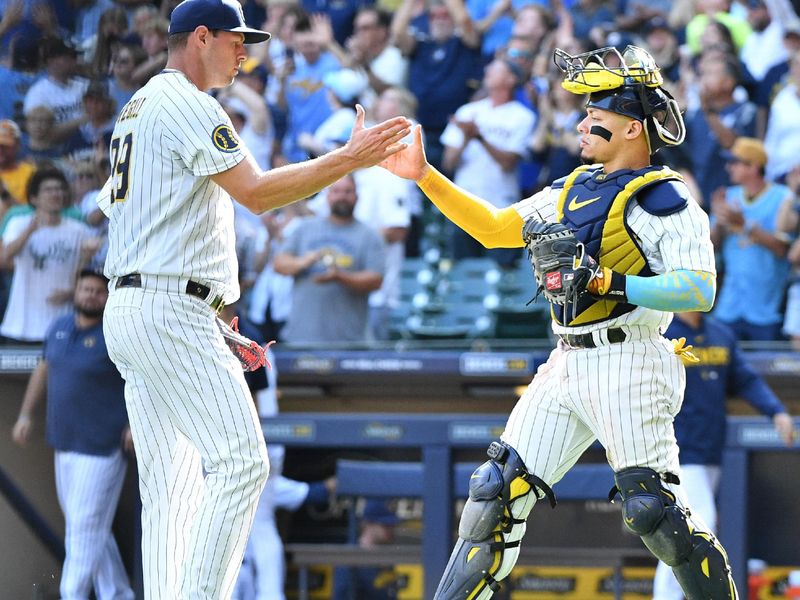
x,y
120,165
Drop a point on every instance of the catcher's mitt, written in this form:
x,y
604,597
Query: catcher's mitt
x,y
250,353
560,264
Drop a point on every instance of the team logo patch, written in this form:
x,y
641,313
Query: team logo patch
x,y
553,281
225,139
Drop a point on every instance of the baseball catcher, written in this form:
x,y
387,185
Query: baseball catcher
x,y
616,246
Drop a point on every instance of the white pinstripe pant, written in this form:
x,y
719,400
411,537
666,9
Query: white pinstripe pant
x,y
88,489
200,451
625,395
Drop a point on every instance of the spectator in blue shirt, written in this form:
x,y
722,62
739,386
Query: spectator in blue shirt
x,y
444,64
745,230
18,77
303,92
700,425
87,425
713,126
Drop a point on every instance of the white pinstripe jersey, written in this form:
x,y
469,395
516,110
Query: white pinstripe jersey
x,y
677,241
166,216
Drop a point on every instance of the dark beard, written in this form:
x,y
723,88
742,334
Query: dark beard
x,y
586,160
89,313
343,210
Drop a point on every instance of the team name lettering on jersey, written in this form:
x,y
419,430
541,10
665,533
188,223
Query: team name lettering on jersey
x,y
131,109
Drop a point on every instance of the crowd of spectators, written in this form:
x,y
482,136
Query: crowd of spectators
x,y
477,74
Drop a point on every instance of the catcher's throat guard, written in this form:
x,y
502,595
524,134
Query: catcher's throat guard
x,y
629,84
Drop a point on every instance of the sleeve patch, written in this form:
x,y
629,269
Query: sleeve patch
x,y
225,139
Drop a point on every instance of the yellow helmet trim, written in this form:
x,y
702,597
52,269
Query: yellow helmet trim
x,y
588,73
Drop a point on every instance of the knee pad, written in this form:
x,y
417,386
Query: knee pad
x,y
492,523
650,511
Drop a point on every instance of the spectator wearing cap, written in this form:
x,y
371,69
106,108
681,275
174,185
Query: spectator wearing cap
x,y
752,248
343,87
303,93
87,426
782,138
46,251
378,525
60,89
99,113
483,145
18,76
251,119
764,47
14,172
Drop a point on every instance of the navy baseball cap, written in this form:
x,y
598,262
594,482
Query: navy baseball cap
x,y
222,15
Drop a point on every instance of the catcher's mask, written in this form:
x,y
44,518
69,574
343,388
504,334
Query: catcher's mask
x,y
633,89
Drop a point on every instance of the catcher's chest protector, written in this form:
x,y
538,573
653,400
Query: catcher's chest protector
x,y
594,206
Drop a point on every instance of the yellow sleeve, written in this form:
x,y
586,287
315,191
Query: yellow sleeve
x,y
491,226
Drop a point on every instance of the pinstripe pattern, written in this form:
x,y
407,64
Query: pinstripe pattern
x,y
624,394
194,526
678,241
88,489
201,454
175,220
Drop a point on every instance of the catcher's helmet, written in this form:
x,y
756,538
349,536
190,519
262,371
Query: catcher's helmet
x,y
632,89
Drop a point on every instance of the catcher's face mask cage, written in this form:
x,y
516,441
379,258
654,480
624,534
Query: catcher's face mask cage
x,y
627,84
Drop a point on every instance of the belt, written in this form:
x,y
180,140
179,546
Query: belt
x,y
193,288
615,335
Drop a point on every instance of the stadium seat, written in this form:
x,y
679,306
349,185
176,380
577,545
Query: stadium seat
x,y
516,320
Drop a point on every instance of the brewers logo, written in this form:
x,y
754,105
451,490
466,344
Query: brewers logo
x,y
224,138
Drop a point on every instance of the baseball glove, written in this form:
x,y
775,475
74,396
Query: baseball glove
x,y
250,353
560,264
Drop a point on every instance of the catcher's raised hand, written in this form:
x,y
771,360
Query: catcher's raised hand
x,y
410,162
370,145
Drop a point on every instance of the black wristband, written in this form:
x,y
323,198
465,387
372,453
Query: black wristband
x,y
616,291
